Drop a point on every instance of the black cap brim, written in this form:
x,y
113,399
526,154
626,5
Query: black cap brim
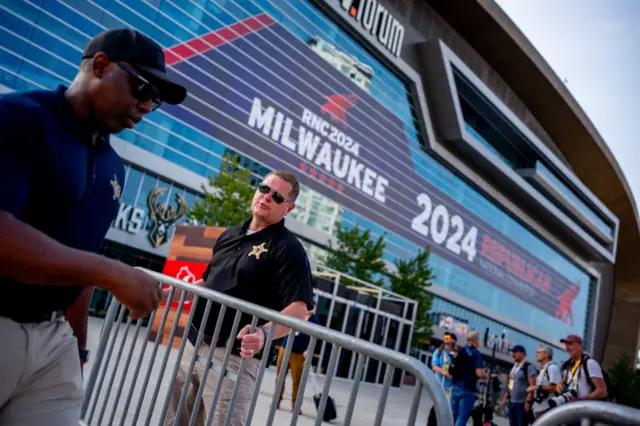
x,y
170,91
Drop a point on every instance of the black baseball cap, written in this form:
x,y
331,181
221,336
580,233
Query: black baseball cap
x,y
147,56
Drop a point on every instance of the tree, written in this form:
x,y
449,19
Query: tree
x,y
624,382
411,279
357,254
229,202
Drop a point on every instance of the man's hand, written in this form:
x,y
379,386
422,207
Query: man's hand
x,y
135,289
560,388
532,388
252,343
448,376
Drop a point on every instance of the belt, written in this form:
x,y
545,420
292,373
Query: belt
x,y
33,317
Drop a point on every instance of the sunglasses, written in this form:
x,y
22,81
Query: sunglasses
x,y
277,197
145,89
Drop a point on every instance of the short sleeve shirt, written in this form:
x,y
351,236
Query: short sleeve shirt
x,y
470,381
268,268
519,381
442,359
583,386
549,375
59,177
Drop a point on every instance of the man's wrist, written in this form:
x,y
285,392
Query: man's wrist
x,y
264,333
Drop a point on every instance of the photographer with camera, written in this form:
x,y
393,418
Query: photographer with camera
x,y
583,380
520,398
547,381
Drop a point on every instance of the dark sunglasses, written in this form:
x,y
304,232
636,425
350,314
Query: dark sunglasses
x,y
277,197
145,89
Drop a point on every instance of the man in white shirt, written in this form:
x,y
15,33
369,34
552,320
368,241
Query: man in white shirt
x,y
584,375
546,382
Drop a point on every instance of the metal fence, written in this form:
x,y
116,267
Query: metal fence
x,y
590,412
361,309
133,380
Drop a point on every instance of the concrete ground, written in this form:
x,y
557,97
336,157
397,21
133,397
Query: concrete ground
x,y
114,384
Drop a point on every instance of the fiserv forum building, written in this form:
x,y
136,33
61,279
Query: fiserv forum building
x,y
434,122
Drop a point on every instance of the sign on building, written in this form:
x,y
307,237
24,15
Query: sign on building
x,y
161,216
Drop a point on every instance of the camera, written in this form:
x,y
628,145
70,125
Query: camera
x,y
540,396
562,398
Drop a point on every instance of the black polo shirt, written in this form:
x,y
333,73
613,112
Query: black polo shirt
x,y
268,268
54,178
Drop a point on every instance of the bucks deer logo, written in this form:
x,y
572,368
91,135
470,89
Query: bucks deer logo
x,y
163,217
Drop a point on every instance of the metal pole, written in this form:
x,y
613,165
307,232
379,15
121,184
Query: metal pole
x,y
336,284
372,335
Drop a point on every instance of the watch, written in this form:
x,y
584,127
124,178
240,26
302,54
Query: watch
x,y
264,331
84,355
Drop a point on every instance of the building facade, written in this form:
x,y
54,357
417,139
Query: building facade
x,y
397,117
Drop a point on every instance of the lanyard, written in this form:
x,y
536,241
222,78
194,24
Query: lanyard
x,y
574,375
515,369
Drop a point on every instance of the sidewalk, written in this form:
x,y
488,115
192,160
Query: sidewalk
x,y
396,410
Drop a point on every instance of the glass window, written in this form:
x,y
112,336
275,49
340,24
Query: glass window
x,y
131,185
573,198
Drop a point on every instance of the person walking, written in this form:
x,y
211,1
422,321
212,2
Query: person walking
x,y
296,360
467,367
60,187
260,262
519,395
440,364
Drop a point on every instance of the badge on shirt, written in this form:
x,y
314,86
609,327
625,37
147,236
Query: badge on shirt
x,y
117,189
258,250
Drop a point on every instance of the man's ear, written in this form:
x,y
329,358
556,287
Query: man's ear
x,y
99,64
290,208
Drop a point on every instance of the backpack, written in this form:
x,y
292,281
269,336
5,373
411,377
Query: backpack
x,y
587,376
525,369
460,364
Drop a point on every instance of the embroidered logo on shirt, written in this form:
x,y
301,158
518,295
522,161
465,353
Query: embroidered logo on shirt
x,y
258,250
116,188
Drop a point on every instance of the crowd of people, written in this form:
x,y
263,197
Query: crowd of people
x,y
530,391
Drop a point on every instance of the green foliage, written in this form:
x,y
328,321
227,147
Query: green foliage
x,y
357,254
411,279
229,202
624,382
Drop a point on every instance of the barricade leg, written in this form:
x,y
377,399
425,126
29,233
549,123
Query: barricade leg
x,y
191,377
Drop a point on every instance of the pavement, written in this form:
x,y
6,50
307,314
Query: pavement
x,y
121,409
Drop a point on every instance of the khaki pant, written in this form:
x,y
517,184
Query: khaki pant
x,y
296,364
243,397
40,377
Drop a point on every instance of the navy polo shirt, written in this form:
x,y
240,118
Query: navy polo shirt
x,y
54,178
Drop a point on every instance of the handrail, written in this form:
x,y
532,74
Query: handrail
x,y
399,360
598,411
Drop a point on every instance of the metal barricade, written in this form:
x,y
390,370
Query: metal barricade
x,y
134,384
590,412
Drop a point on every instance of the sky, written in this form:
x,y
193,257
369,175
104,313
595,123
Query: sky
x,y
594,46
